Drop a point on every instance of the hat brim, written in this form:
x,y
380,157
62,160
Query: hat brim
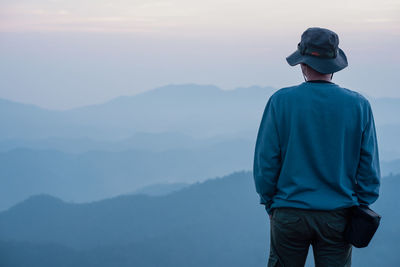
x,y
322,65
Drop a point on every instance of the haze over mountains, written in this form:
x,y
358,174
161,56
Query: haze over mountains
x,y
195,110
172,134
215,223
127,182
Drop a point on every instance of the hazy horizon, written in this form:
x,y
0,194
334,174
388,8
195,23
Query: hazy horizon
x,y
62,54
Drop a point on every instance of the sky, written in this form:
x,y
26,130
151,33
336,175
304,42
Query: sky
x,y
61,54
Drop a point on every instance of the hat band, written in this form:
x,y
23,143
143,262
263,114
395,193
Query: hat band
x,y
317,52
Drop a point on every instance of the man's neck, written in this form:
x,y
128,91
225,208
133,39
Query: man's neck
x,y
327,78
318,77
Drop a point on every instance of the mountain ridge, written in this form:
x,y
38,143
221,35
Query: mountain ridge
x,y
218,222
172,87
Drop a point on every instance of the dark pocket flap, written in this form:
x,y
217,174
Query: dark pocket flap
x,y
338,226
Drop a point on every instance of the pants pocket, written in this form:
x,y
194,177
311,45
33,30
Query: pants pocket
x,y
285,216
287,223
334,230
338,226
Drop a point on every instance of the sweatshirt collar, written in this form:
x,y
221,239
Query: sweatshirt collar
x,y
319,81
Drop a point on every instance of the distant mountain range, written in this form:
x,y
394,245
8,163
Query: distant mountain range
x,y
194,110
98,174
218,222
155,142
172,134
95,175
160,189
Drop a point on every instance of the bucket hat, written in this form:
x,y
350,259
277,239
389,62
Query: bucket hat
x,y
319,48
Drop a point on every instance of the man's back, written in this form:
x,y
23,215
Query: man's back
x,y
316,156
320,129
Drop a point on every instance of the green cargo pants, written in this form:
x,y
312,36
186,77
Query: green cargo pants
x,y
294,230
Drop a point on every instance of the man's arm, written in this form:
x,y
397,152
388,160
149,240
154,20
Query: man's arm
x,y
267,157
368,172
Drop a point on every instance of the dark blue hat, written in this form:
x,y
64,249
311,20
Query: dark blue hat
x,y
319,48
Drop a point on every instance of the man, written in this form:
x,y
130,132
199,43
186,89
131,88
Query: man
x,y
316,155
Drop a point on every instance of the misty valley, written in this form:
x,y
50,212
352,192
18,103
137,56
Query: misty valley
x,y
161,178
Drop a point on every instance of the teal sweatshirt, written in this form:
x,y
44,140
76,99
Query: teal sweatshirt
x,y
316,149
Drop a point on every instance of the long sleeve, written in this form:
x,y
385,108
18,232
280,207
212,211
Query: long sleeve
x,y
267,157
368,172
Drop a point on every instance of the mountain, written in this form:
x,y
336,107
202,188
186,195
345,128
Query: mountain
x,y
98,174
160,189
176,113
218,222
176,133
196,110
202,206
95,175
155,142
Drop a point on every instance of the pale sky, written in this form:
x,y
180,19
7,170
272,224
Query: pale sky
x,y
65,53
206,16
